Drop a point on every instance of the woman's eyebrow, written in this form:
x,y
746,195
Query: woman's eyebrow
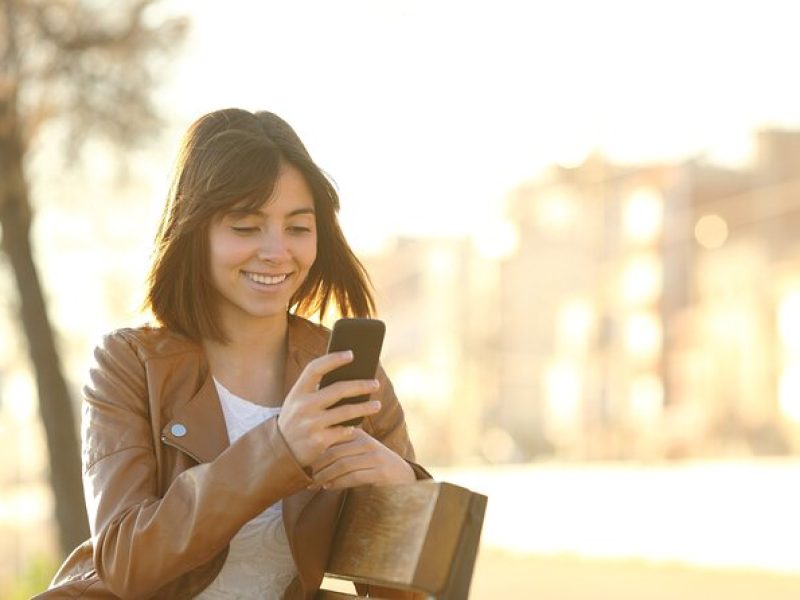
x,y
238,213
301,211
241,213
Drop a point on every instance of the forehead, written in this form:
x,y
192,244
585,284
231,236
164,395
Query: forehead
x,y
290,194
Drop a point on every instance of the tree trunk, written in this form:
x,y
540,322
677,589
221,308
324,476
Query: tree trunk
x,y
55,406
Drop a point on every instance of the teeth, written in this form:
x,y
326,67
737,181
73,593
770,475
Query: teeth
x,y
266,279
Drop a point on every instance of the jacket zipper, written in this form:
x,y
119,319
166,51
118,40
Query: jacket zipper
x,y
172,444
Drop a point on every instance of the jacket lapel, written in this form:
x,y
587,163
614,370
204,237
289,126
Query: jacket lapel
x,y
198,426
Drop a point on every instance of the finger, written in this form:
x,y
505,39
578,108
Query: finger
x,y
353,479
340,434
322,439
344,465
315,370
331,455
330,395
351,447
346,412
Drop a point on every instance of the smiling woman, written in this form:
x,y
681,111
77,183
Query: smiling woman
x,y
207,443
232,167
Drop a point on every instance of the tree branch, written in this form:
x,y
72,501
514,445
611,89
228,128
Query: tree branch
x,y
82,40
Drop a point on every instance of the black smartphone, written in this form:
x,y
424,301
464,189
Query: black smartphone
x,y
365,338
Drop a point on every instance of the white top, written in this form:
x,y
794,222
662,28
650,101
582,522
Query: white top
x,y
259,563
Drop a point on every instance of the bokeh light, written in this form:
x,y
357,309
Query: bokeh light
x,y
711,231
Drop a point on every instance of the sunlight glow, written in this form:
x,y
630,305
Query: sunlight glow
x,y
410,380
497,240
643,336
442,261
563,389
556,211
641,280
644,215
574,326
646,399
421,385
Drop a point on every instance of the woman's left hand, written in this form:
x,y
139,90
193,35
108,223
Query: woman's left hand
x,y
362,460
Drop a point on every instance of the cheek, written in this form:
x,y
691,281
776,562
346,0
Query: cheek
x,y
227,252
225,257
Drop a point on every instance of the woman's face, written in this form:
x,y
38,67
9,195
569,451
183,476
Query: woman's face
x,y
258,259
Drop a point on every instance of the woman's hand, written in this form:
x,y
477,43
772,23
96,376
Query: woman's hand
x,y
360,460
307,422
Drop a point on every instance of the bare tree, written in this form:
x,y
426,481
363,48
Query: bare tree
x,y
89,69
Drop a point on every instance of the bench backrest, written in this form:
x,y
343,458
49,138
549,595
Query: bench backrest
x,y
422,536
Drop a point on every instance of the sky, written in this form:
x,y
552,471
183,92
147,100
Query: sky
x,y
427,113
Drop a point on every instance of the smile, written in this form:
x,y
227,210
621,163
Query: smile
x,y
266,279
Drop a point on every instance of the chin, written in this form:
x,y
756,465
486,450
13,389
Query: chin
x,y
268,313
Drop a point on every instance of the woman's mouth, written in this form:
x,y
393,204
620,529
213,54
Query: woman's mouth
x,y
264,279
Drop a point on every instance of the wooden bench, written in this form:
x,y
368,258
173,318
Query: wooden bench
x,y
421,537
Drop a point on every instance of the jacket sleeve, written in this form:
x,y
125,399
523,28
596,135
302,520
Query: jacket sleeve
x,y
143,541
389,425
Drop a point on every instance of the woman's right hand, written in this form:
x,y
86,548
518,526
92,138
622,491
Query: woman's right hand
x,y
307,422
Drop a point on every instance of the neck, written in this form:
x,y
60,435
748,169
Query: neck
x,y
250,347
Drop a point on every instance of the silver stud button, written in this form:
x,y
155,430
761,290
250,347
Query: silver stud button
x,y
178,430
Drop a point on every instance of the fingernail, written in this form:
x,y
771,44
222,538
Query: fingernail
x,y
347,354
376,404
375,384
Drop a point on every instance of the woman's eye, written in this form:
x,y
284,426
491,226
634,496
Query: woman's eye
x,y
243,230
299,229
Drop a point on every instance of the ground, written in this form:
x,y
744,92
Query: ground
x,y
502,575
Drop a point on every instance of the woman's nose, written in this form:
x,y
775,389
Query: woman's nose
x,y
272,246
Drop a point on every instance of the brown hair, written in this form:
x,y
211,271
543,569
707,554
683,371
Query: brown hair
x,y
231,158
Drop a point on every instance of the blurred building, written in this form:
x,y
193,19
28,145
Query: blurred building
x,y
642,311
441,331
655,310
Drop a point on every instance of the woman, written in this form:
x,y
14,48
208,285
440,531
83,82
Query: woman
x,y
213,465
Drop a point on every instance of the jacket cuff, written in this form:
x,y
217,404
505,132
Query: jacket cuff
x,y
282,448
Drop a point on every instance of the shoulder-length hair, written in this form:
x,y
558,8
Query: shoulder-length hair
x,y
231,159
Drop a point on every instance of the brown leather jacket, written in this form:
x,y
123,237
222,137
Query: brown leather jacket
x,y
165,491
